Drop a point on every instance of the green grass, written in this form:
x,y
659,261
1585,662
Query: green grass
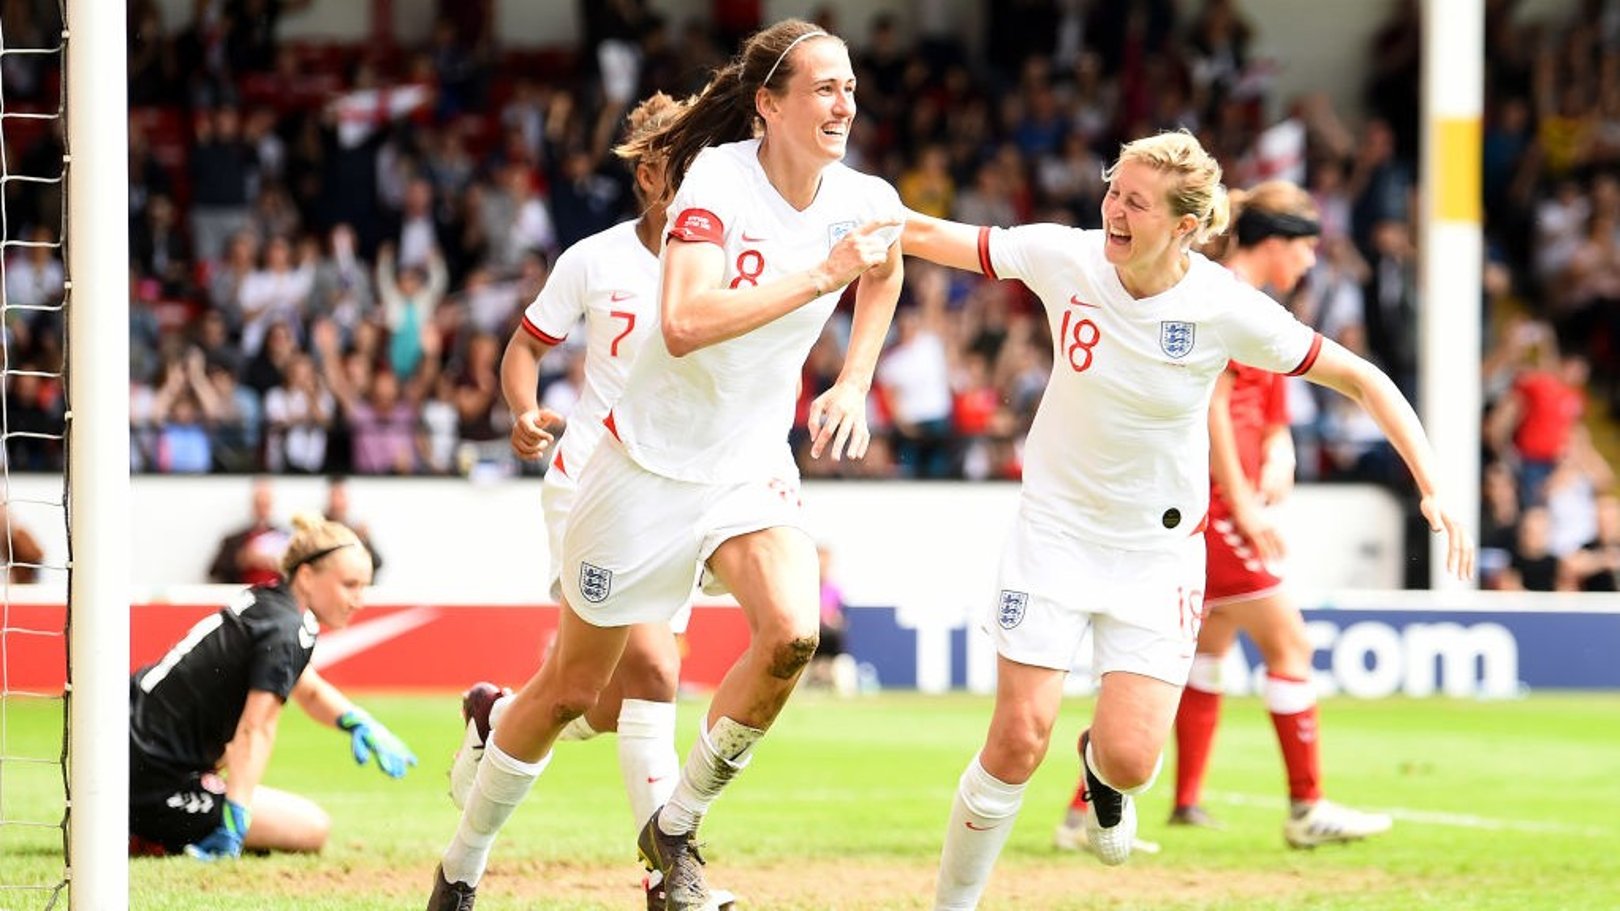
x,y
1503,805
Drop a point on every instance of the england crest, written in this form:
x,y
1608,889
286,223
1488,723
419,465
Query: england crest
x,y
594,582
1011,611
836,232
1176,337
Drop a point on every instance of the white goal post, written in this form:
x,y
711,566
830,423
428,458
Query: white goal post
x,y
98,456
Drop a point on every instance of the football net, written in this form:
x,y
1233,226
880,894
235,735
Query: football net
x,y
33,487
64,457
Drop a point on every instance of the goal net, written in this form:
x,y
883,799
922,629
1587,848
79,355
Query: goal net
x,y
64,457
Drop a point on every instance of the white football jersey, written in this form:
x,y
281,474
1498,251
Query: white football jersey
x,y
1119,450
723,413
611,280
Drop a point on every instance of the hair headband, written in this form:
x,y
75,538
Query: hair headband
x,y
1254,226
818,33
311,557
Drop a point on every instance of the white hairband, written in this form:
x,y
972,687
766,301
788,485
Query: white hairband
x,y
818,33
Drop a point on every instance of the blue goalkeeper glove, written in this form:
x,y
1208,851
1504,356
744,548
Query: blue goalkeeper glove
x,y
225,841
367,736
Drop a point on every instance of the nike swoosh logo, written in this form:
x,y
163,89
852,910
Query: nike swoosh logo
x,y
752,240
338,645
620,296
1075,301
969,824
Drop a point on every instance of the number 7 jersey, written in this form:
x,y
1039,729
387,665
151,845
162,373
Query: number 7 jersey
x,y
1119,450
722,413
611,280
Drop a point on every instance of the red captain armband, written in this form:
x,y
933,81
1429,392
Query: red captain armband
x,y
1310,356
698,226
984,253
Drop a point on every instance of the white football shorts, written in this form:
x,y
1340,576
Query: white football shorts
x,y
557,495
1144,607
635,543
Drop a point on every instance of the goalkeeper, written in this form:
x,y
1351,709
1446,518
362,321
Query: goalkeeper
x,y
203,719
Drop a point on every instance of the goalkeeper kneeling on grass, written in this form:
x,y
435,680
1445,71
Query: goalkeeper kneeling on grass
x,y
203,719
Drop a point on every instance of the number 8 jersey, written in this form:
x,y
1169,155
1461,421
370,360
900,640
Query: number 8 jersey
x,y
723,413
1119,450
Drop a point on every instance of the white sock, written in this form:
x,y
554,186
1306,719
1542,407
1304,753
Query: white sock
x,y
500,786
982,818
578,729
647,757
716,758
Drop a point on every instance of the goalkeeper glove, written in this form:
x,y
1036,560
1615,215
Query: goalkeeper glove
x,y
367,736
225,841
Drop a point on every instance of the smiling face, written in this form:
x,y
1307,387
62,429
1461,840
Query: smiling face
x,y
1142,228
813,113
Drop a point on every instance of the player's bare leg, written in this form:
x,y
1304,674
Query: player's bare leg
x,y
285,822
991,790
520,745
1120,756
774,575
1278,631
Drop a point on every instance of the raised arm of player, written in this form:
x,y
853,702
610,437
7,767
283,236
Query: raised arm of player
x,y
697,309
520,382
838,415
1375,392
949,243
1227,470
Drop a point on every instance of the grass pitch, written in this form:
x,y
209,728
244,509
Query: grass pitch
x,y
1499,805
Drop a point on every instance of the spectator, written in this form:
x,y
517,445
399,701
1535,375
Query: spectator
x,y
833,666
915,377
297,414
1596,566
342,289
23,554
337,510
184,409
279,293
223,170
1533,566
1538,416
252,555
381,417
408,302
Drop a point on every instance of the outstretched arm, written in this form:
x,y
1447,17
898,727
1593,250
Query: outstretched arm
x,y
1375,392
327,705
949,243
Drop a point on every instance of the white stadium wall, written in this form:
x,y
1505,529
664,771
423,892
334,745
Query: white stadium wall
x,y
919,546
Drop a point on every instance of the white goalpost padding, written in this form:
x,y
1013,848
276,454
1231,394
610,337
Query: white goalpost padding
x,y
98,457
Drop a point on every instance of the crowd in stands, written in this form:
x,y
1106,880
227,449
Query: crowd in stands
x,y
331,244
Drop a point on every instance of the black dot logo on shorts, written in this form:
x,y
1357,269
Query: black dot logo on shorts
x,y
1172,517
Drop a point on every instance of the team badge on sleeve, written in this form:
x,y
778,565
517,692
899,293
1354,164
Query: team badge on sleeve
x,y
1176,337
594,582
1011,611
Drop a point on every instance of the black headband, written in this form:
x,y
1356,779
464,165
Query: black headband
x,y
1253,226
309,558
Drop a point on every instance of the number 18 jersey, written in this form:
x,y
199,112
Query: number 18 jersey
x,y
1119,450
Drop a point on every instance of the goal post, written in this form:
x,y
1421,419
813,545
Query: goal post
x,y
99,523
